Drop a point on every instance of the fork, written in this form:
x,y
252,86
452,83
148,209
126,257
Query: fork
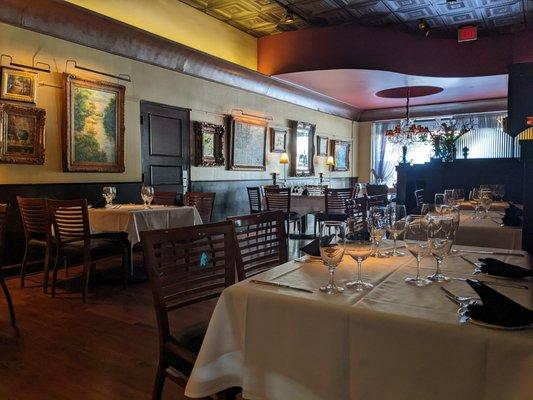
x,y
460,299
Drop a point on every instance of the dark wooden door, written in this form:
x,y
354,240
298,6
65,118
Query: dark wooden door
x,y
165,146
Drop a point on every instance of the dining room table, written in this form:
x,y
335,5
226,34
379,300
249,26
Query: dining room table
x,y
495,206
487,231
395,341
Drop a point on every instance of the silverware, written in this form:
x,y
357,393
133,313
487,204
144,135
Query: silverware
x,y
490,283
460,299
496,253
281,285
470,261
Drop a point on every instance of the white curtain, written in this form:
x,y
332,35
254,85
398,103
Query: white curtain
x,y
384,154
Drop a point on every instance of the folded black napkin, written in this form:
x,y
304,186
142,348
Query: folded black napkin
x,y
495,267
497,309
313,248
513,216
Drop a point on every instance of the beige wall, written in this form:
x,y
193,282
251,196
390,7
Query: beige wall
x,y
208,101
181,23
364,149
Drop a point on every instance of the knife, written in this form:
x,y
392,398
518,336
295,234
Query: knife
x,y
496,253
490,283
281,285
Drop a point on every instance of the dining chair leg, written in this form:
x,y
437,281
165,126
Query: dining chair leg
x,y
46,268
8,300
159,381
54,276
24,266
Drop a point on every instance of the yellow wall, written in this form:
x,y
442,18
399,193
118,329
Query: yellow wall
x,y
364,149
181,23
208,101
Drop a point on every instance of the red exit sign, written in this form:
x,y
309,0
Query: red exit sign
x,y
467,34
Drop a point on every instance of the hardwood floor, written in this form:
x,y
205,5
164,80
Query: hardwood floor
x,y
105,349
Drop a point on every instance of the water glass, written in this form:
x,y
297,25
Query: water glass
x,y
459,194
416,241
485,202
395,225
109,193
147,194
441,234
361,247
332,246
439,199
377,222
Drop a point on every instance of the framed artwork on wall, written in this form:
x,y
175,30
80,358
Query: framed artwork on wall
x,y
93,126
302,149
322,146
247,144
209,144
18,85
278,140
341,155
21,134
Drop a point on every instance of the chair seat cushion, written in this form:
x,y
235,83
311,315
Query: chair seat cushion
x,y
181,351
100,248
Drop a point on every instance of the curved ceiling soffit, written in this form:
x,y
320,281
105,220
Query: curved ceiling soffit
x,y
78,25
347,47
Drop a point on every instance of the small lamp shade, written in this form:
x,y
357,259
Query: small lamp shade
x,y
330,161
284,158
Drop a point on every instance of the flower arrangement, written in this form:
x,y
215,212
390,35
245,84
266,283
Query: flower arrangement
x,y
444,137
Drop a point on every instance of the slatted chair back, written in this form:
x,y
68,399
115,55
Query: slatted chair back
x,y
262,242
188,265
3,226
278,199
419,196
376,190
356,213
316,190
35,218
204,203
336,200
254,199
376,200
165,198
70,219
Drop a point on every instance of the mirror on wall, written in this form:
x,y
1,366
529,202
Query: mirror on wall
x,y
302,148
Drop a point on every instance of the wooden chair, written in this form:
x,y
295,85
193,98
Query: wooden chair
x,y
166,198
186,266
203,202
3,219
37,231
377,190
280,199
316,190
419,196
75,242
262,242
254,199
335,206
376,200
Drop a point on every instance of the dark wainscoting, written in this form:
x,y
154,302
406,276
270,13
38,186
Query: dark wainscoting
x,y
126,193
436,176
232,198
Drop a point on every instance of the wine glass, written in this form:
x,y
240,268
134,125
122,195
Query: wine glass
x,y
485,201
377,222
459,194
475,200
449,197
361,247
395,221
147,194
455,213
416,241
109,193
439,199
441,234
332,247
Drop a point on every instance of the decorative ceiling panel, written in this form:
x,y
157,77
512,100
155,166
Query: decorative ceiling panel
x,y
267,17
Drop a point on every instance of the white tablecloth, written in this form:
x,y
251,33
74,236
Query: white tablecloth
x,y
488,232
394,342
135,218
496,206
308,204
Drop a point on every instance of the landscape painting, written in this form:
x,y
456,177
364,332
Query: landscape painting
x,y
94,126
341,154
247,144
19,85
21,134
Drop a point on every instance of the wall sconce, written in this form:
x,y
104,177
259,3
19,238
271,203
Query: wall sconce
x,y
330,162
284,160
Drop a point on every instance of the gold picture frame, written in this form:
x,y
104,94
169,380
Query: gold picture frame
x,y
93,126
340,150
209,144
18,85
247,144
21,134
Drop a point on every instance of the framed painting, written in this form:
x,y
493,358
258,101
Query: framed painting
x,y
93,126
302,149
18,85
278,140
247,144
341,155
209,144
322,146
21,134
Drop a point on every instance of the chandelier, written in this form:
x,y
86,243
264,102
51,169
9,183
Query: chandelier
x,y
407,131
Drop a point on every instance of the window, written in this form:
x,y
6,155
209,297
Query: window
x,y
485,140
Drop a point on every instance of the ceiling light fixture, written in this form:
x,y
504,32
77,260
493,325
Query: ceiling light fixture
x,y
423,26
288,18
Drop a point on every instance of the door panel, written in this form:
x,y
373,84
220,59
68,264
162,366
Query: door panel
x,y
165,146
